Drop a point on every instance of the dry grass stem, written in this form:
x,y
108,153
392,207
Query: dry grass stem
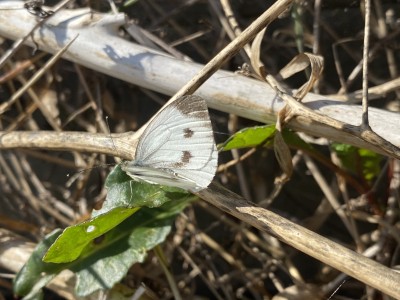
x,y
313,212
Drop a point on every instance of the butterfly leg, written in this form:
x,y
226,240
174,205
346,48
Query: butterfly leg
x,y
130,186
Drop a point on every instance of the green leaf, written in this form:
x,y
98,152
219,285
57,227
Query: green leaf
x,y
70,244
258,135
125,192
124,198
105,260
250,137
111,257
35,274
264,135
135,218
363,162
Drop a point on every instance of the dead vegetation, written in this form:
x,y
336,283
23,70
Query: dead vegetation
x,y
349,196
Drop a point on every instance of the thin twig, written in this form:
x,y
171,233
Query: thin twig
x,y
34,79
224,91
247,35
365,122
331,253
21,41
297,109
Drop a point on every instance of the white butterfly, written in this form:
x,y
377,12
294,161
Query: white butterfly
x,y
177,148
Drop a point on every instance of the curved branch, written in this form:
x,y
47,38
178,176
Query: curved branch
x,y
331,253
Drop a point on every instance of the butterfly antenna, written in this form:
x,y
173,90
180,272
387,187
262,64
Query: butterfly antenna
x,y
75,174
335,291
109,134
97,166
88,169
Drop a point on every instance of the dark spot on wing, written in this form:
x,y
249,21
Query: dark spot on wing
x,y
186,156
185,159
188,133
192,105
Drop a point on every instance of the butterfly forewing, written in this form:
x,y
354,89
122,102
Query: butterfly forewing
x,y
178,145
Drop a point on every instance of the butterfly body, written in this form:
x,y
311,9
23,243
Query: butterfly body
x,y
177,148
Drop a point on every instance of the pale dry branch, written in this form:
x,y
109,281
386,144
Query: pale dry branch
x,y
331,253
119,145
225,91
99,47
